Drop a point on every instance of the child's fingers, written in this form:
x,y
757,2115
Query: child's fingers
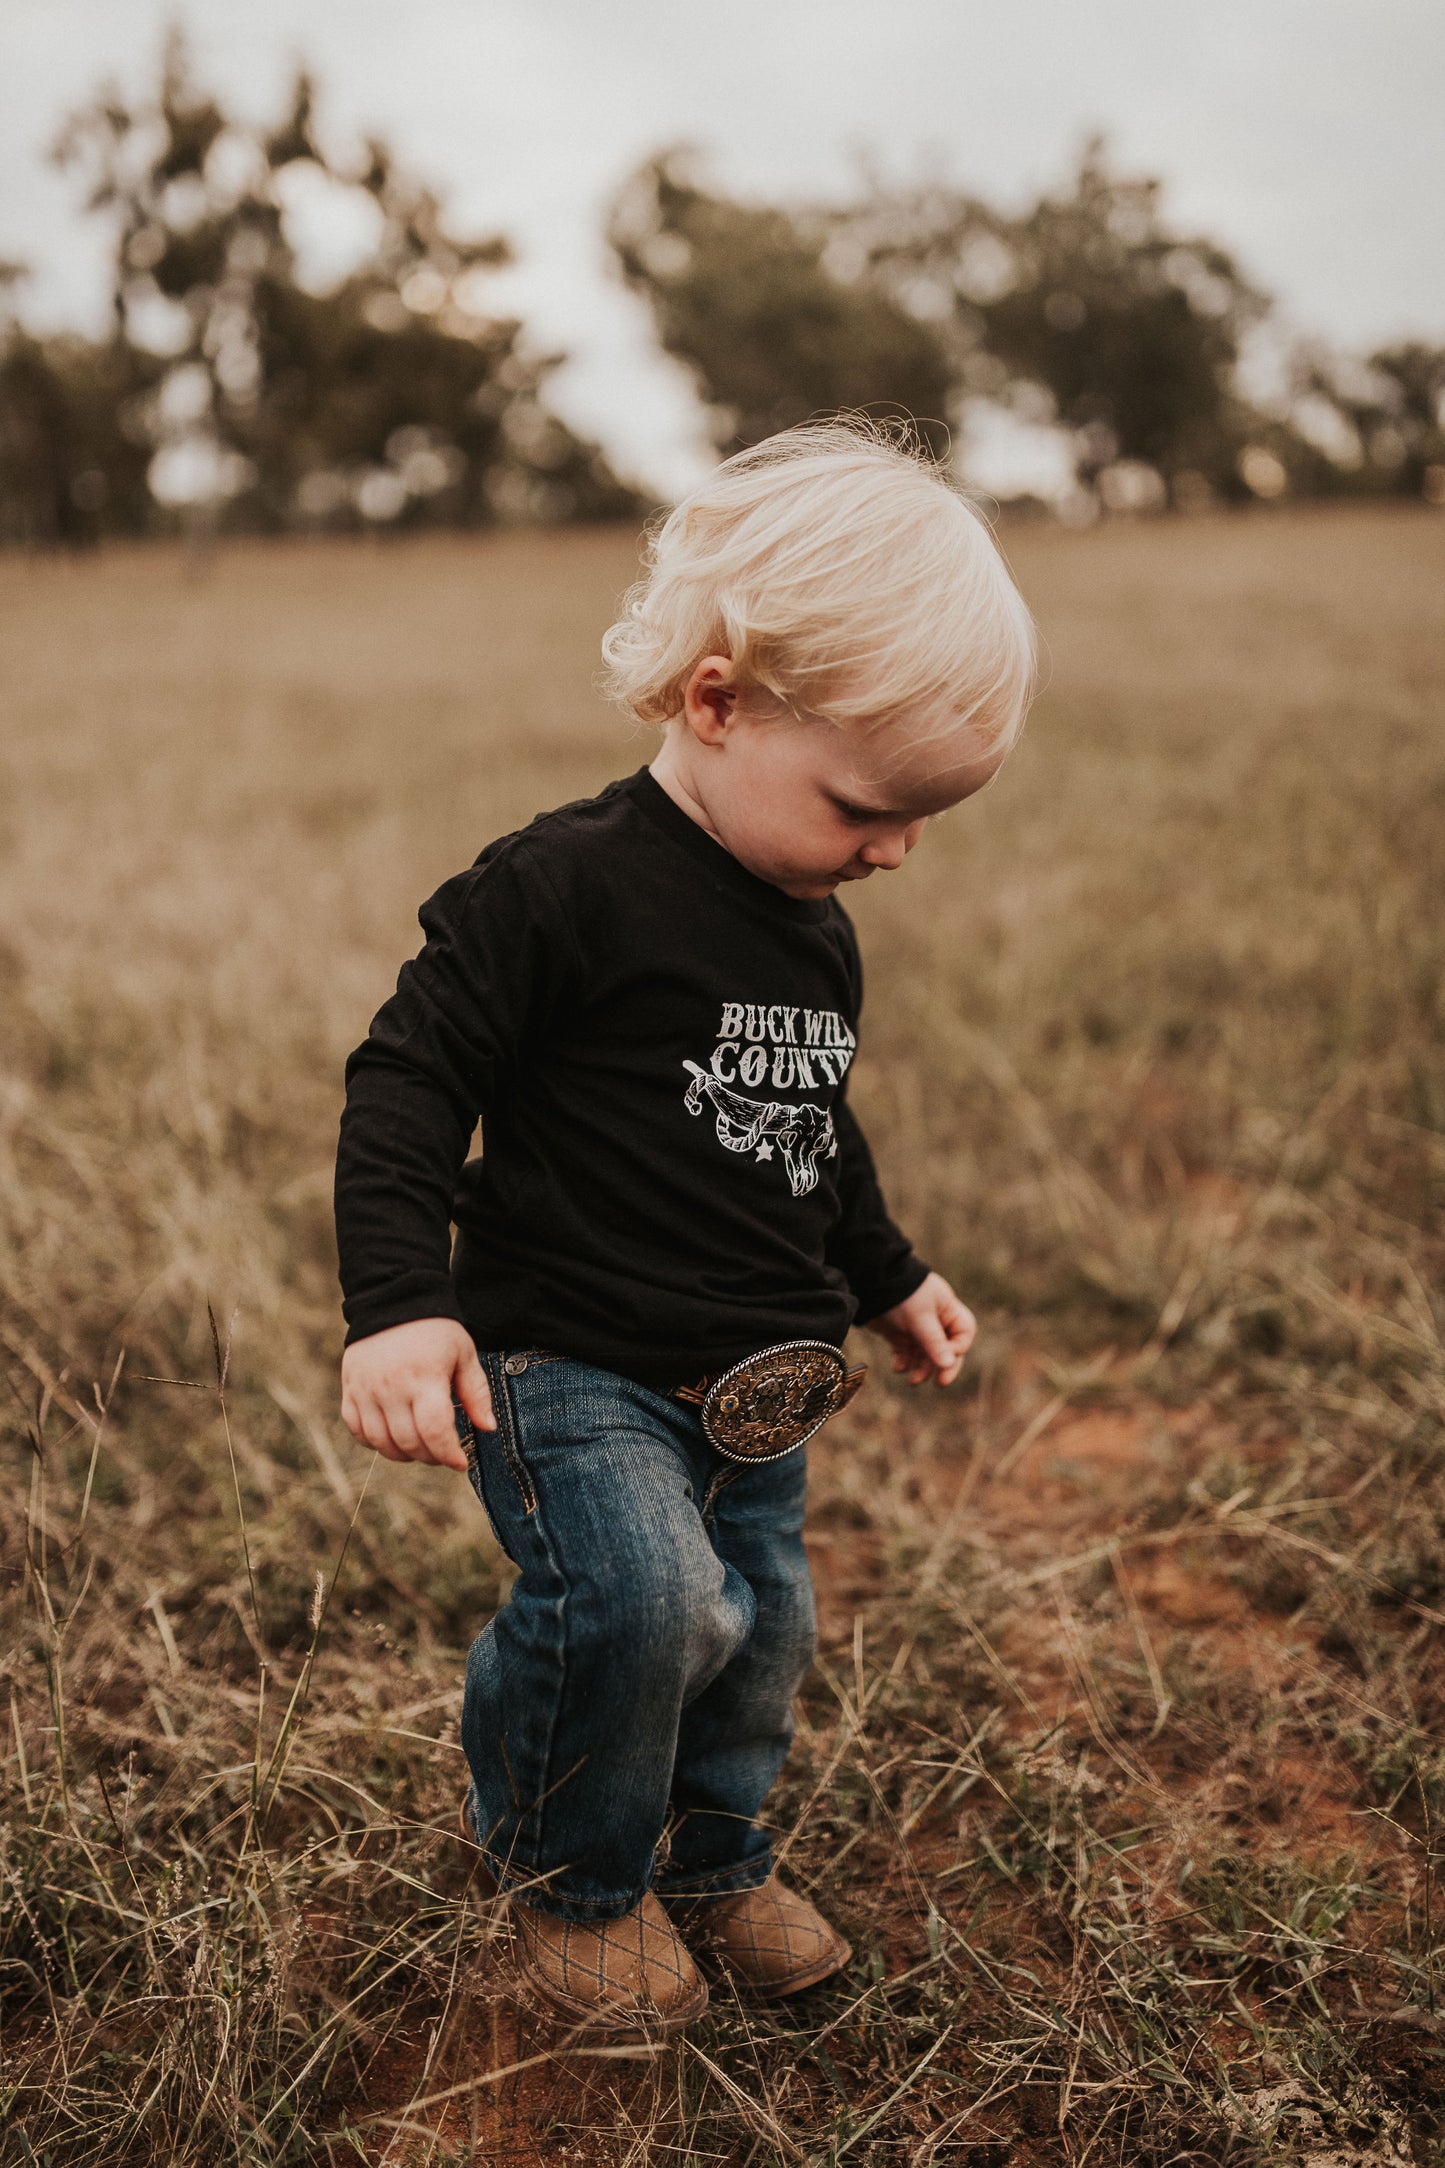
x,y
436,1428
412,1427
472,1390
908,1353
962,1328
915,1359
940,1354
400,1423
374,1431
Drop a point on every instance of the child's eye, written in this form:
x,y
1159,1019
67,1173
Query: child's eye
x,y
859,815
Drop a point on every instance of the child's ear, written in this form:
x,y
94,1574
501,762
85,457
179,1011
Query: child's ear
x,y
719,698
710,699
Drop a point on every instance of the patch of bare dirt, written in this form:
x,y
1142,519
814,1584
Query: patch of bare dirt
x,y
1182,1595
1078,1492
847,1565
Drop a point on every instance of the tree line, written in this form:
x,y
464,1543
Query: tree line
x,y
1088,311
227,391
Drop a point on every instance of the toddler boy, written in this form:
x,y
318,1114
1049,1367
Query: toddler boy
x,y
650,1001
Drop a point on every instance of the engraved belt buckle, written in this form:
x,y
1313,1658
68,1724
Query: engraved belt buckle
x,y
772,1402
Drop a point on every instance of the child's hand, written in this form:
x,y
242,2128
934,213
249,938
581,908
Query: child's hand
x,y
930,1333
397,1387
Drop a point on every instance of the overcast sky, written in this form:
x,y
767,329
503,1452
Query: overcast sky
x,y
1308,135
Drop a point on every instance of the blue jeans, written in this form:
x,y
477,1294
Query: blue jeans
x,y
640,1677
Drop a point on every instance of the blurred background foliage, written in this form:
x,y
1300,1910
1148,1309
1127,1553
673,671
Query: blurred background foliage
x,y
1087,311
747,297
227,388
231,393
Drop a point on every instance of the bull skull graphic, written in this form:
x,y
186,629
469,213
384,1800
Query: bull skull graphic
x,y
745,1125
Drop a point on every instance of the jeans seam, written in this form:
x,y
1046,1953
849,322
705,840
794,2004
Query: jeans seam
x,y
507,1434
511,1453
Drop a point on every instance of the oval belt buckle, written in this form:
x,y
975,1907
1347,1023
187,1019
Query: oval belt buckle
x,y
772,1402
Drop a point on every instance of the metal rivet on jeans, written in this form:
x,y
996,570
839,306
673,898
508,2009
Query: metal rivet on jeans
x,y
515,1365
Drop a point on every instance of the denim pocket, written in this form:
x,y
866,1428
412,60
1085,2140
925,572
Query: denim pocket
x,y
499,1371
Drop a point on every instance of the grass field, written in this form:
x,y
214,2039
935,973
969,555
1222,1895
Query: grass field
x,y
1122,1765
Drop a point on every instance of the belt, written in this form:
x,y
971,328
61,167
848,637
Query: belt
x,y
772,1402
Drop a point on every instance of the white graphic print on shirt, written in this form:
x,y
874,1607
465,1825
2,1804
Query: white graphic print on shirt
x,y
757,1042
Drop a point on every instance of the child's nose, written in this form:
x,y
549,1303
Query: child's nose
x,y
888,852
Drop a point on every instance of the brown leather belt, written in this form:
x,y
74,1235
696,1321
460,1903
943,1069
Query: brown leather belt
x,y
772,1402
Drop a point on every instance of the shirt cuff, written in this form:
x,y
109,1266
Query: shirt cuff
x,y
369,1314
885,1294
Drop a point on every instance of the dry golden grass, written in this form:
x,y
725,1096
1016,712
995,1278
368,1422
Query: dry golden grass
x,y
1122,1764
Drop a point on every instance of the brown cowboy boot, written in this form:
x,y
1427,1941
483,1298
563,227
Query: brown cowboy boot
x,y
770,1939
614,1976
627,1975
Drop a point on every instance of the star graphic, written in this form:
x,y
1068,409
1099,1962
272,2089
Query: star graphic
x,y
765,1150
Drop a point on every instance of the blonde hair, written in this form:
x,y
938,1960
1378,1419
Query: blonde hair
x,y
845,577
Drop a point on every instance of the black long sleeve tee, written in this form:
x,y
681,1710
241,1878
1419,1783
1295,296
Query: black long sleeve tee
x,y
656,1043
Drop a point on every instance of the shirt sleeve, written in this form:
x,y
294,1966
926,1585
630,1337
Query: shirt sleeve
x,y
496,964
874,1256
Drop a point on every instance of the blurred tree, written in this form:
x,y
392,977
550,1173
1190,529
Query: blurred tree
x,y
1392,407
1088,309
394,398
744,295
68,471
